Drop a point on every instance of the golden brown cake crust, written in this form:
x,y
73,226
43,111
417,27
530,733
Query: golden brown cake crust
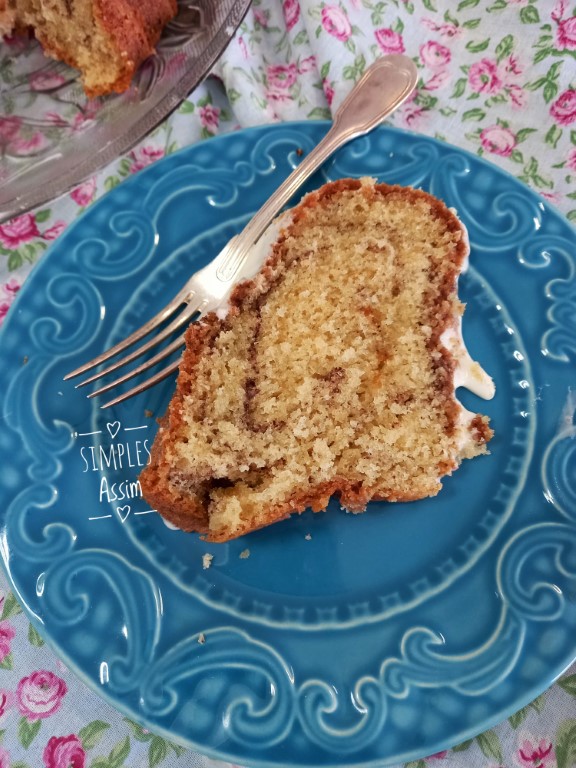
x,y
7,18
135,28
188,506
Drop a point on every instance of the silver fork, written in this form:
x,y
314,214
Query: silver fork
x,y
385,85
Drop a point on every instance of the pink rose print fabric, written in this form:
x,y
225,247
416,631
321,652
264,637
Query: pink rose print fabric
x,y
389,41
8,293
6,631
563,110
535,752
18,231
496,78
210,117
64,752
144,156
84,194
498,140
335,22
291,9
24,228
45,81
40,695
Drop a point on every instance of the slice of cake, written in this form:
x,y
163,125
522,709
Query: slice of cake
x,y
332,372
106,40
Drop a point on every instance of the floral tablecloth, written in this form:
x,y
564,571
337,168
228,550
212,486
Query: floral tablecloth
x,y
497,77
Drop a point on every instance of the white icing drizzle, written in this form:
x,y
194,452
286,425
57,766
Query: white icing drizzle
x,y
468,374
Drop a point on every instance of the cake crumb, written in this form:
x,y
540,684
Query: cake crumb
x,y
148,413
207,560
244,554
308,537
201,638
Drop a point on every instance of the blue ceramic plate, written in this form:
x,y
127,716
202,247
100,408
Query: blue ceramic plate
x,y
340,640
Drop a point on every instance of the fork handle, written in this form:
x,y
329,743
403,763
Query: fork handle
x,y
384,86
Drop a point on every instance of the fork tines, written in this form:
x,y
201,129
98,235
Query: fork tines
x,y
190,309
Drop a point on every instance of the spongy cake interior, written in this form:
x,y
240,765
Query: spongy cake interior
x,y
78,40
326,376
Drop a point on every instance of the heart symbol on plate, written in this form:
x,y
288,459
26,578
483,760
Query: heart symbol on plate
x,y
113,428
123,512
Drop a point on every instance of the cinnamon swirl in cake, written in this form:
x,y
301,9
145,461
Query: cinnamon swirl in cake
x,y
332,373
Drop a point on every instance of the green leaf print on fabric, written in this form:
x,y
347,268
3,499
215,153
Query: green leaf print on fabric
x,y
319,113
139,733
477,46
505,47
474,114
159,747
27,731
34,637
523,133
91,734
158,751
464,746
10,607
568,684
518,717
459,88
489,743
186,108
529,15
176,748
378,14
111,182
355,71
565,746
553,136
548,83
531,175
119,753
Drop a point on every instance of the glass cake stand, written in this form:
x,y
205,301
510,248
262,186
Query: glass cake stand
x,y
52,136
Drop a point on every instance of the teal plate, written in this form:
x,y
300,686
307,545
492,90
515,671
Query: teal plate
x,y
340,640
